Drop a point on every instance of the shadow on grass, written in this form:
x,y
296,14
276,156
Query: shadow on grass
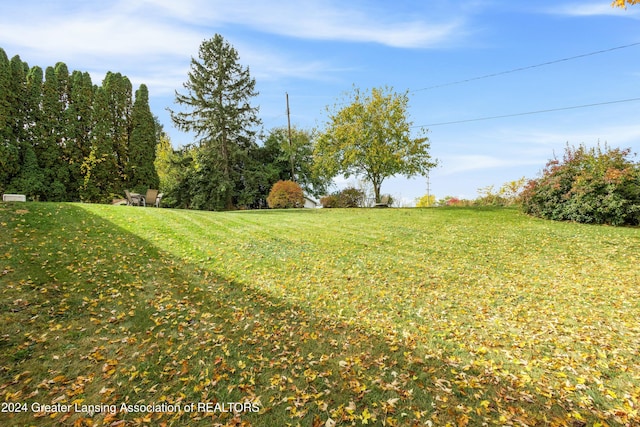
x,y
98,316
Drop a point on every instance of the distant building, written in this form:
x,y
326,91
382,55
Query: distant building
x,y
309,203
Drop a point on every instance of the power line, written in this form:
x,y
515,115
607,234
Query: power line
x,y
525,68
528,113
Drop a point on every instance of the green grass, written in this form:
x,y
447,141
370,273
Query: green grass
x,y
386,317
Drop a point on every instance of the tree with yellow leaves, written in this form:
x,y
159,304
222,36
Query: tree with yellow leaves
x,y
371,137
624,3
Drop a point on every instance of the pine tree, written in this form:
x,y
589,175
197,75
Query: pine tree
x,y
142,144
218,110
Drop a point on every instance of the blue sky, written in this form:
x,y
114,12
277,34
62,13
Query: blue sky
x,y
317,50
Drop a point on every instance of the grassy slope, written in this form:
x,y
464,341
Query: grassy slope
x,y
388,317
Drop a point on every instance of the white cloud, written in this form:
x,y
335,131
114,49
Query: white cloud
x,y
317,19
157,37
98,33
592,9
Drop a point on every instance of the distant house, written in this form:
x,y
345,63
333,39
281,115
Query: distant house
x,y
309,203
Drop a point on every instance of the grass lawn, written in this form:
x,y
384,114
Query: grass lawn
x,y
388,317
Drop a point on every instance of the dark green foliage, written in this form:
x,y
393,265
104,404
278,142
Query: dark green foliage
x,y
100,169
589,185
261,171
8,148
218,111
13,114
80,124
30,180
81,144
142,173
180,177
296,158
17,97
52,133
117,119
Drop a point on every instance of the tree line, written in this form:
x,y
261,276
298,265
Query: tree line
x,y
62,138
65,139
225,168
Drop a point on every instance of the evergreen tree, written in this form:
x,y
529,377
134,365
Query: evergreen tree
x,y
15,127
30,179
33,106
117,116
79,130
218,110
62,138
9,152
142,144
18,106
53,134
101,178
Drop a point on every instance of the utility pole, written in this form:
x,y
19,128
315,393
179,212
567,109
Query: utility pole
x,y
428,190
290,145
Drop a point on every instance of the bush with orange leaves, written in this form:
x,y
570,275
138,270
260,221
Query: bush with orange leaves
x,y
284,195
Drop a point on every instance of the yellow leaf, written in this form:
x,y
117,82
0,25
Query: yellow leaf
x,y
366,416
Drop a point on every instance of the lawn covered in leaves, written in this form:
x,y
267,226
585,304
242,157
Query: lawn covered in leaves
x,y
392,317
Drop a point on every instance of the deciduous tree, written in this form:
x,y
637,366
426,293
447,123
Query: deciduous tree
x,y
624,3
371,137
296,157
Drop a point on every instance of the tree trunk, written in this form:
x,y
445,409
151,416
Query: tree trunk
x,y
376,191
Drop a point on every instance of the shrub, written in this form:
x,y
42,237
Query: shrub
x,y
351,198
348,198
330,201
589,185
507,195
285,194
454,201
426,201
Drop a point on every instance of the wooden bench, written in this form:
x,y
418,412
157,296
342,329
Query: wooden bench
x,y
14,198
384,202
